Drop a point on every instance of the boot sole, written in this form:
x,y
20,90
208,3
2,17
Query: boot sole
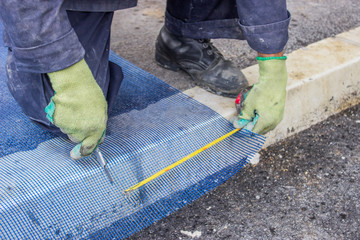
x,y
166,63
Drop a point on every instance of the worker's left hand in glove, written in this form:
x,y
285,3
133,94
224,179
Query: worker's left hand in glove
x,y
78,107
263,107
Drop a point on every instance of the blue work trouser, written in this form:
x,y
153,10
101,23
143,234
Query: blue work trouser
x,y
33,91
263,23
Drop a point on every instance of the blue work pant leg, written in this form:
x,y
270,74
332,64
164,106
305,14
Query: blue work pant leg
x,y
264,24
203,19
33,91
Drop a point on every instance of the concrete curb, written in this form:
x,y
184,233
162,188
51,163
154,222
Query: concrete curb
x,y
324,79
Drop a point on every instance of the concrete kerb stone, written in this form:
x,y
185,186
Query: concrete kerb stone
x,y
324,79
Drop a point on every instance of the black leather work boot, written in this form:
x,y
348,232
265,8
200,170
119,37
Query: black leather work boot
x,y
202,61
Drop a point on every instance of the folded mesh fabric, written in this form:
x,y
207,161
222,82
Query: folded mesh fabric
x,y
45,194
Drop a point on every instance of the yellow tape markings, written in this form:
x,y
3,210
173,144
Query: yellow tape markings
x,y
161,172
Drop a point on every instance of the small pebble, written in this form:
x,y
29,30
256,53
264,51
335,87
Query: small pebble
x,y
255,160
195,234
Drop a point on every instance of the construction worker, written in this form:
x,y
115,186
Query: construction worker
x,y
59,73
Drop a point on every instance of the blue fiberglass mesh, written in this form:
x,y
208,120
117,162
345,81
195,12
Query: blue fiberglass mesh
x,y
46,195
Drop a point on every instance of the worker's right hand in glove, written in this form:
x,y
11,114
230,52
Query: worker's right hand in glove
x,y
78,108
263,107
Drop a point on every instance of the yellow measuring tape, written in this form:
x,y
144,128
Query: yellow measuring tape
x,y
136,186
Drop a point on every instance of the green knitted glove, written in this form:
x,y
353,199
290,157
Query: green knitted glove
x,y
265,102
78,107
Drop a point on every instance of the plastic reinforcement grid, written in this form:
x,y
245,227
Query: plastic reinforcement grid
x,y
44,194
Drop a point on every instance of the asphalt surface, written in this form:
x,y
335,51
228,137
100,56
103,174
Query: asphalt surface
x,y
306,186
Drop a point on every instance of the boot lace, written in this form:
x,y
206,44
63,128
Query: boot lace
x,y
209,47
